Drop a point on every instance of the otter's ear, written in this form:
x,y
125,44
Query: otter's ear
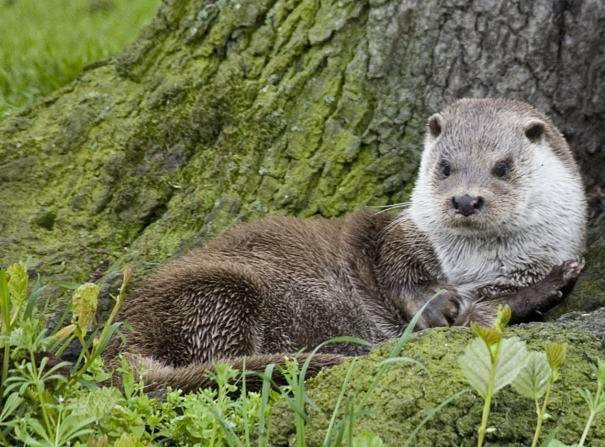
x,y
534,130
434,125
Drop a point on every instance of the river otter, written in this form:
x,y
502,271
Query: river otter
x,y
497,216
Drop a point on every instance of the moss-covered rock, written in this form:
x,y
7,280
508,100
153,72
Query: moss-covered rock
x,y
407,392
224,111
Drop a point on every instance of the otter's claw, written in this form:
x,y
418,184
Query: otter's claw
x,y
572,269
558,284
442,310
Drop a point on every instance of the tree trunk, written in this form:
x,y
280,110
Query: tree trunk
x,y
224,111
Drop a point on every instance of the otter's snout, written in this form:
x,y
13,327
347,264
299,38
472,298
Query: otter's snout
x,y
466,204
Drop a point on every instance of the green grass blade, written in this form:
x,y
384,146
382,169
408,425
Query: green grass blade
x,y
409,329
265,391
343,388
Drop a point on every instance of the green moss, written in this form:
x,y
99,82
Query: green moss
x,y
407,392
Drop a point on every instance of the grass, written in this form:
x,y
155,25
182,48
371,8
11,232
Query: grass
x,y
45,43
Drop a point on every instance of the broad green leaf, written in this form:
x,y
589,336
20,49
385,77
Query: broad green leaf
x,y
555,354
532,381
367,440
476,364
513,358
17,283
84,305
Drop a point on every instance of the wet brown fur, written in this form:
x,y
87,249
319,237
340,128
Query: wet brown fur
x,y
273,287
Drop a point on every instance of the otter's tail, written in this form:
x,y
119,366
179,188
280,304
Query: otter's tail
x,y
158,376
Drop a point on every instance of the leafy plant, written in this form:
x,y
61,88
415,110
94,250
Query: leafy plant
x,y
50,402
491,362
596,402
34,378
537,378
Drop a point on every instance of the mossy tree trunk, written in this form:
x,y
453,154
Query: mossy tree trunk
x,y
225,110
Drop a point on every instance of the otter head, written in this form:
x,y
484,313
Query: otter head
x,y
492,167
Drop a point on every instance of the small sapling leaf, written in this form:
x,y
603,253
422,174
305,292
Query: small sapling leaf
x,y
555,354
532,381
490,335
476,364
503,317
512,359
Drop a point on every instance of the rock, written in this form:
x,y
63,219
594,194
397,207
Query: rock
x,y
407,392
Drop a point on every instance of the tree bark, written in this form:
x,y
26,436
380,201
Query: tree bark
x,y
225,111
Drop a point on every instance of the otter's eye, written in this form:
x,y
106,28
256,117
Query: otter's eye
x,y
444,168
502,168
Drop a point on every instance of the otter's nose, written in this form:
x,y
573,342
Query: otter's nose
x,y
467,205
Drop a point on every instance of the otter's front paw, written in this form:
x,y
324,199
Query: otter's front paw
x,y
442,310
558,283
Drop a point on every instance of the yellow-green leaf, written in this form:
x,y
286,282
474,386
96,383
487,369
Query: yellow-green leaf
x,y
84,305
66,331
556,354
367,439
18,282
490,335
504,316
129,440
97,442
